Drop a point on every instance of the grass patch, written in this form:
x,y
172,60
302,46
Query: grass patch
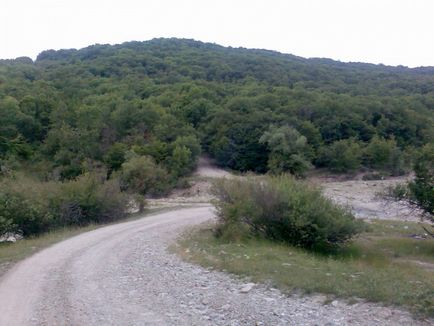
x,y
11,253
383,265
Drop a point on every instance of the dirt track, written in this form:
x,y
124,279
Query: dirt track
x,y
123,275
81,281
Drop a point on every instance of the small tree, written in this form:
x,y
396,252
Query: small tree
x,y
142,175
289,150
384,154
115,156
420,191
180,161
422,188
185,151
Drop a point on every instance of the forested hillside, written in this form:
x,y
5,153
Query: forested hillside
x,y
74,111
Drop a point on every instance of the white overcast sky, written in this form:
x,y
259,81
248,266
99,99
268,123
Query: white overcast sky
x,y
392,32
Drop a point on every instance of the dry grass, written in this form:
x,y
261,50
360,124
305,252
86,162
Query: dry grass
x,y
384,265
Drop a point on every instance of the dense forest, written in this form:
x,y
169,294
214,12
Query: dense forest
x,y
144,111
250,109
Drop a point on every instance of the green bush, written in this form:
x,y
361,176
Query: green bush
x,y
420,191
289,150
142,175
115,156
23,206
31,207
422,187
185,152
6,225
89,199
384,154
282,209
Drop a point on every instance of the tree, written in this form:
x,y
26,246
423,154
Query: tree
x,y
422,188
341,156
289,150
180,161
384,154
185,153
115,156
142,175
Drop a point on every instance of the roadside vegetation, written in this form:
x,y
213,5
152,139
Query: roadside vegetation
x,y
282,209
282,232
391,263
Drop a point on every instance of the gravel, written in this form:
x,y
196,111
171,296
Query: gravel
x,y
123,275
366,201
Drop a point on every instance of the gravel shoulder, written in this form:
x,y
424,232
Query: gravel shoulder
x,y
123,275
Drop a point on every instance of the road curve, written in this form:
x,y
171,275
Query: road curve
x,y
122,275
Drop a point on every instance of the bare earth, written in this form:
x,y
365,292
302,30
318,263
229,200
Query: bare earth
x,y
123,275
364,199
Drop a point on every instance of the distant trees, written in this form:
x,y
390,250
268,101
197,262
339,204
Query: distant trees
x,y
341,156
168,99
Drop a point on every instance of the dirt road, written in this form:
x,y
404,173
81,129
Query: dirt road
x,y
123,275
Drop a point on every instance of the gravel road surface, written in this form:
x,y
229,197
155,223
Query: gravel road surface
x,y
123,275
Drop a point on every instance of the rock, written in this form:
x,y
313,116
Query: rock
x,y
10,237
247,287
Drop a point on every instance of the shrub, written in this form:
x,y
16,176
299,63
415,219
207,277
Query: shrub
x,y
142,175
384,154
6,225
422,188
420,191
115,156
185,152
30,207
89,199
282,209
180,161
289,150
23,206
